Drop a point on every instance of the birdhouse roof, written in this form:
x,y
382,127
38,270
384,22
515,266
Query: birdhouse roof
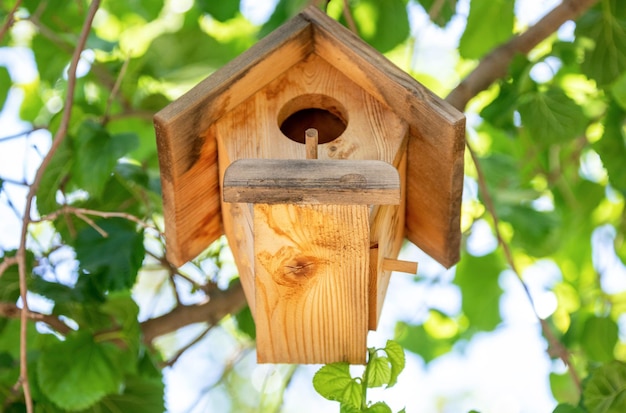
x,y
188,157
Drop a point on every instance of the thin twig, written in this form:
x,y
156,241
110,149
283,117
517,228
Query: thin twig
x,y
10,19
114,91
20,134
68,209
347,14
175,271
59,137
13,181
6,263
10,310
435,9
187,346
174,289
92,224
556,347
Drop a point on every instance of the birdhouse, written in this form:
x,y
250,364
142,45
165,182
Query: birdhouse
x,y
317,157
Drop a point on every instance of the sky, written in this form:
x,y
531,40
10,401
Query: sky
x,y
505,371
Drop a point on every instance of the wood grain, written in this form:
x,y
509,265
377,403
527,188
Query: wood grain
x,y
181,131
311,283
437,136
303,181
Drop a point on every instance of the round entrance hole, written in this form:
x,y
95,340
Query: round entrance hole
x,y
317,111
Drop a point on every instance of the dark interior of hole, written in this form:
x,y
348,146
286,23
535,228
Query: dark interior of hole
x,y
329,126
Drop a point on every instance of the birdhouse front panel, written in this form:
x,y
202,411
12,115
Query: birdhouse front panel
x,y
312,281
252,130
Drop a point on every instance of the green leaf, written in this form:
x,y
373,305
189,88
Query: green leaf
x,y
378,370
245,322
605,25
477,277
10,284
78,372
537,232
10,337
140,395
416,339
605,392
54,176
384,25
5,85
51,60
113,260
564,388
612,146
332,380
551,116
97,154
148,9
220,10
490,22
379,407
442,14
352,394
567,408
599,337
618,91
396,356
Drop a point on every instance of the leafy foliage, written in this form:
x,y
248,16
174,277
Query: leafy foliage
x,y
549,138
334,381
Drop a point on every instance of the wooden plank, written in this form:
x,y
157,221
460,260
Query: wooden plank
x,y
437,133
392,264
311,283
304,181
386,236
181,130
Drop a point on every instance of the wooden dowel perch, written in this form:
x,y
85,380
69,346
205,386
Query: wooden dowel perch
x,y
390,264
311,140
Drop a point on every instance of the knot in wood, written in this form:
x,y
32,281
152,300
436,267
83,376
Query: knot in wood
x,y
354,180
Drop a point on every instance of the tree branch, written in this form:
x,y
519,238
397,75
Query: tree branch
x,y
10,19
347,14
59,136
6,263
82,212
491,68
10,310
220,304
495,65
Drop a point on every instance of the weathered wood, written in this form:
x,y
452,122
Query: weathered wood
x,y
311,141
311,283
181,136
300,181
437,133
392,264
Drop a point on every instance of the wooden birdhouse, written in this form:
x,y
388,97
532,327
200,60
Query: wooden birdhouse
x,y
316,157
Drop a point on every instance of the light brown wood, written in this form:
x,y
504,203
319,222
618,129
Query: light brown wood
x,y
191,211
300,181
311,283
251,130
437,136
386,236
311,141
392,264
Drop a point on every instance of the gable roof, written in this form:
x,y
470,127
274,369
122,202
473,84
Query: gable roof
x,y
435,148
